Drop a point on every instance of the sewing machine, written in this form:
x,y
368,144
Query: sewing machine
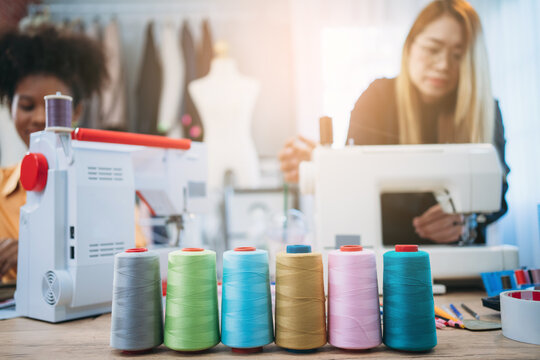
x,y
348,184
80,209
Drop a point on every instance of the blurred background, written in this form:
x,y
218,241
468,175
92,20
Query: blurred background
x,y
313,58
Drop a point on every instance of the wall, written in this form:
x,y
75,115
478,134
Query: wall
x,y
512,35
258,33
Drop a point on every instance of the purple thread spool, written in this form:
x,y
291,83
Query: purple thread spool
x,y
58,110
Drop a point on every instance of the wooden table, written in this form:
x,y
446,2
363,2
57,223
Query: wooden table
x,y
89,339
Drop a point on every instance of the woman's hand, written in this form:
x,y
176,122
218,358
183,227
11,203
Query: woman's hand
x,y
296,149
8,255
439,226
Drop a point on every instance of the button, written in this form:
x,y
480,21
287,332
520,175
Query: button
x,y
34,169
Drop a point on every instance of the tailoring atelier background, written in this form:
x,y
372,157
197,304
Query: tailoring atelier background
x,y
258,35
315,57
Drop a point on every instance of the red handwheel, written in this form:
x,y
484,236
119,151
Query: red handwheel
x,y
34,169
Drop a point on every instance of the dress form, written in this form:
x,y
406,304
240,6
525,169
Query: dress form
x,y
225,100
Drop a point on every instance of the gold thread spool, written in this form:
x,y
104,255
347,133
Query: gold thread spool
x,y
300,301
325,130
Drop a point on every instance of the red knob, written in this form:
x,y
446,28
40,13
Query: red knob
x,y
34,169
406,248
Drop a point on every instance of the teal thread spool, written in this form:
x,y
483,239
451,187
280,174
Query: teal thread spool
x,y
191,320
246,310
408,309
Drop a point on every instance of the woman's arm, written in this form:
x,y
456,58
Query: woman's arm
x,y
445,229
371,123
8,255
296,150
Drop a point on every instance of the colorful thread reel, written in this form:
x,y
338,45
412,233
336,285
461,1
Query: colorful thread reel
x,y
137,310
354,320
246,308
191,318
300,299
408,308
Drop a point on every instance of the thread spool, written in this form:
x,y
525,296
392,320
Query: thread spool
x,y
354,320
408,307
522,277
535,276
325,130
300,300
137,310
246,309
58,112
191,318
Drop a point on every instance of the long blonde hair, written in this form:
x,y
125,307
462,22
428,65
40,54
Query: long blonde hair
x,y
473,116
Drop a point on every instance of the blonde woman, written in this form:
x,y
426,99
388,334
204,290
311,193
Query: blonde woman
x,y
442,95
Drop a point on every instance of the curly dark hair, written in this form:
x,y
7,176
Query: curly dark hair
x,y
45,50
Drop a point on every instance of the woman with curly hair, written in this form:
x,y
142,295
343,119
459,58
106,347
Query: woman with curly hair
x,y
34,63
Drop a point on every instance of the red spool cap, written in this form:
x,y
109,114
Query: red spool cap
x,y
135,250
245,248
351,248
406,248
246,350
136,352
192,249
187,352
34,169
520,277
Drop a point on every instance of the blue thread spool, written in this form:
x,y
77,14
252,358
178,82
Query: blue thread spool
x,y
246,307
408,309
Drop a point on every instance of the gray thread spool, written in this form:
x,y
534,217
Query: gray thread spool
x,y
58,110
137,310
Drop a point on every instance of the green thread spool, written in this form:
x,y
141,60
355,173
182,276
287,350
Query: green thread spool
x,y
191,317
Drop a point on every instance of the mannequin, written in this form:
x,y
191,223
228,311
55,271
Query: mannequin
x,y
225,100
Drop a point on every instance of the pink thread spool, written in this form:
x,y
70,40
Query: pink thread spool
x,y
354,320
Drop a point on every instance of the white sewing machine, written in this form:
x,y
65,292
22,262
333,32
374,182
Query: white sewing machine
x,y
80,210
348,183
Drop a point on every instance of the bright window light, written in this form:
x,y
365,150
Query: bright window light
x,y
352,57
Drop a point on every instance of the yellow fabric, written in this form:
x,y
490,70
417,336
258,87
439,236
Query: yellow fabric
x,y
12,197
